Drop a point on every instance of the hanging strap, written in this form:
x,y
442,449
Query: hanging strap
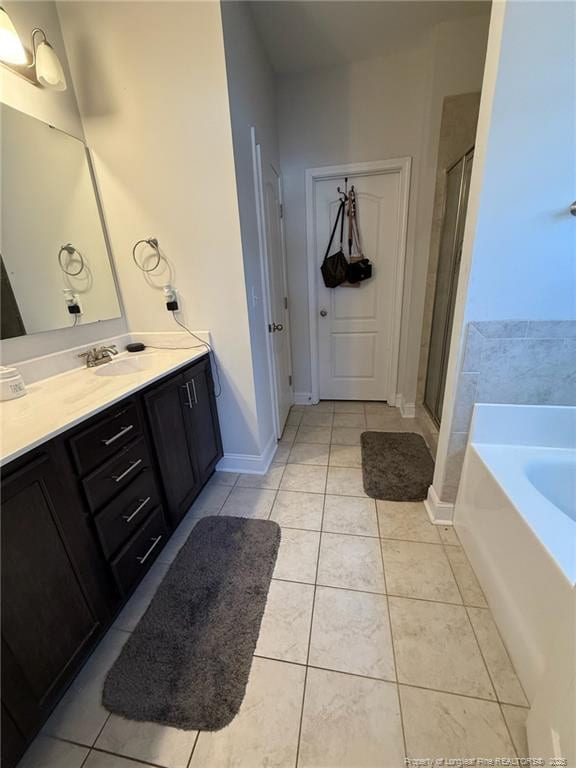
x,y
339,217
354,240
350,221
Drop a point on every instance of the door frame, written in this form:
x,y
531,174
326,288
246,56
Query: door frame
x,y
265,276
402,166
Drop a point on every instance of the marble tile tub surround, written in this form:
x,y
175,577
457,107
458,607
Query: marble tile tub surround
x,y
523,362
59,402
354,666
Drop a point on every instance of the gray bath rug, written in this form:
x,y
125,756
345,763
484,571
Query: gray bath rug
x,y
187,662
396,466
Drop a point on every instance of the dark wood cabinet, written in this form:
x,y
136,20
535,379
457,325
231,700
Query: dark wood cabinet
x,y
202,416
83,518
48,619
185,434
165,405
13,742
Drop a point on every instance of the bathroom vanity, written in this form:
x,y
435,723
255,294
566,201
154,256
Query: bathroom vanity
x,y
98,470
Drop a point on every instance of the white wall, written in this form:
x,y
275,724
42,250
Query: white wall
x,y
152,92
59,109
251,90
379,108
523,259
520,240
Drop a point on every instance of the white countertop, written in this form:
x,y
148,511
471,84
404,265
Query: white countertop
x,y
56,404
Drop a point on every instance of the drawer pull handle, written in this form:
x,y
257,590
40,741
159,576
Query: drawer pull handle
x,y
133,465
123,431
194,388
145,557
140,506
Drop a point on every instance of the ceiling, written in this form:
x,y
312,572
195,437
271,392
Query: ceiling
x,y
301,35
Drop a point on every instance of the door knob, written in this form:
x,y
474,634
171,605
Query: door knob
x,y
323,313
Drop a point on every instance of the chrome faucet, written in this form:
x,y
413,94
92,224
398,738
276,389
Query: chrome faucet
x,y
98,355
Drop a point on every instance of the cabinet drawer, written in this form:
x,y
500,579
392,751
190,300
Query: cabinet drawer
x,y
126,512
100,441
109,479
135,559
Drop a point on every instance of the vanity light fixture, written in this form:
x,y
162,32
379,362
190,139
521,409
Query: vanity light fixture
x,y
45,68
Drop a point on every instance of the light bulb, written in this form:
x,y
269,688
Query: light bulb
x,y
11,49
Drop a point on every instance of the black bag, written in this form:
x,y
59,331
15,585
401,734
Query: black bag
x,y
359,270
334,267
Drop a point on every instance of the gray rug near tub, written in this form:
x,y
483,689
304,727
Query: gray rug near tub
x,y
396,466
187,662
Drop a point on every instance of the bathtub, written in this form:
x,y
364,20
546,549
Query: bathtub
x,y
515,515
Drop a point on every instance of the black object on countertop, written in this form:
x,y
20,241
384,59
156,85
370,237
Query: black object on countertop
x,y
136,346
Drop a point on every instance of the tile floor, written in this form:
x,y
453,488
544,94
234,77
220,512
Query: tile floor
x,y
376,643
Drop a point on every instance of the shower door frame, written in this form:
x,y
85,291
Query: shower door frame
x,y
466,158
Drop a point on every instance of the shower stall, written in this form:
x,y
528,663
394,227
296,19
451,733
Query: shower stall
x,y
450,252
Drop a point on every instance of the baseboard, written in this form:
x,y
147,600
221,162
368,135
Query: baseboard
x,y
249,464
407,410
439,512
302,398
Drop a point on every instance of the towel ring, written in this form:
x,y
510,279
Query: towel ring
x,y
70,250
153,243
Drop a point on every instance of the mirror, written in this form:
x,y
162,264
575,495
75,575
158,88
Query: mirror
x,y
55,266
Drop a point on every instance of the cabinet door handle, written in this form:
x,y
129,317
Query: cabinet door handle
x,y
145,557
187,388
123,431
189,401
133,465
140,507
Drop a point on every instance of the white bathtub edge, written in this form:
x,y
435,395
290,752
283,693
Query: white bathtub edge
x,y
532,601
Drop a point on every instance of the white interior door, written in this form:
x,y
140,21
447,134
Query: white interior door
x,y
358,327
278,327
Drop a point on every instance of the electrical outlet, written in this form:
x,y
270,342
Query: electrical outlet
x,y
171,298
72,302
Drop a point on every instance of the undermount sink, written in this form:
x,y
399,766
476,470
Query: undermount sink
x,y
124,366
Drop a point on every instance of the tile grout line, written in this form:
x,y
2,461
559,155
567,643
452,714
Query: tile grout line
x,y
105,722
387,594
189,763
311,626
123,757
498,702
392,641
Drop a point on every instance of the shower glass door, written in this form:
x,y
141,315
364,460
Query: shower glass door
x,y
457,188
